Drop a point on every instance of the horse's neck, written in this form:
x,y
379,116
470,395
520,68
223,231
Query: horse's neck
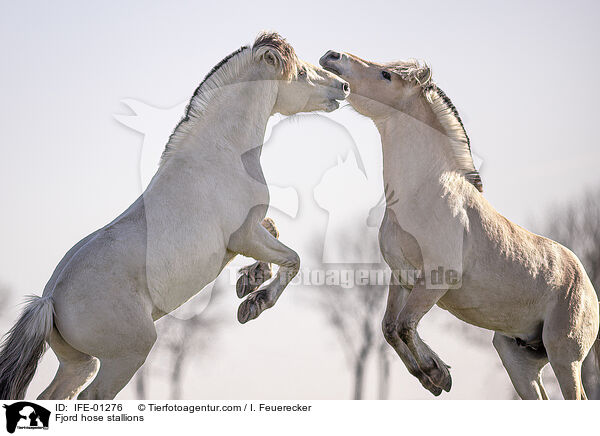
x,y
233,120
415,156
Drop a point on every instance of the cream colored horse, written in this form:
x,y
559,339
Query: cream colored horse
x,y
487,271
205,204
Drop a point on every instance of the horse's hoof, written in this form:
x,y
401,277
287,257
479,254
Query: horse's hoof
x,y
427,384
251,277
436,391
246,312
242,287
448,385
439,374
253,306
445,380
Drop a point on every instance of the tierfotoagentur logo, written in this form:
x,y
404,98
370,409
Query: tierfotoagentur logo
x,y
26,415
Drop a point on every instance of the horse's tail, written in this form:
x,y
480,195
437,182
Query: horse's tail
x,y
23,346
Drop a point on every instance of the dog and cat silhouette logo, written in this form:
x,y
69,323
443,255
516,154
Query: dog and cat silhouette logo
x,y
26,415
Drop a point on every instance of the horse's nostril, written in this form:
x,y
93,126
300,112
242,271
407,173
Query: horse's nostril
x,y
334,55
346,87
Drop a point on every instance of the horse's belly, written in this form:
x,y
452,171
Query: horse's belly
x,y
493,312
178,272
473,315
175,289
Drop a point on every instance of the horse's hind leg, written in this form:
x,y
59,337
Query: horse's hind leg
x,y
74,371
114,374
116,369
590,375
252,276
569,379
524,367
566,358
568,335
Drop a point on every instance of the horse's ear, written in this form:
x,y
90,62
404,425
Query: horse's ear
x,y
270,57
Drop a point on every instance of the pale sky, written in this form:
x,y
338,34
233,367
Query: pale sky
x,y
521,75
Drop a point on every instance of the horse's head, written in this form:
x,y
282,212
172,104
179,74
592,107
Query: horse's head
x,y
378,90
301,87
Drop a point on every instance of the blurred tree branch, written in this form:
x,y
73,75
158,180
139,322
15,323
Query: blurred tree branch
x,y
5,297
355,316
354,313
577,226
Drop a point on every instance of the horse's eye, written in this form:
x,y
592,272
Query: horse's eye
x,y
386,75
302,72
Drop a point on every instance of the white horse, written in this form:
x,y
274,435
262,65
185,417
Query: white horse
x,y
204,205
487,271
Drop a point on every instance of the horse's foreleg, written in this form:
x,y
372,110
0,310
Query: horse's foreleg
x,y
252,276
403,314
418,303
396,297
524,367
260,244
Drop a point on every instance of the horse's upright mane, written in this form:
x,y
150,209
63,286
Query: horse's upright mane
x,y
446,113
226,71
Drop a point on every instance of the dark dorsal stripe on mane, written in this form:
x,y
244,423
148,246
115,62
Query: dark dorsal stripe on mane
x,y
186,116
473,176
420,74
280,48
446,99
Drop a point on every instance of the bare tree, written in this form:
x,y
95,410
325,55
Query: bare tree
x,y
383,355
354,311
182,339
4,298
577,226
179,339
140,382
355,315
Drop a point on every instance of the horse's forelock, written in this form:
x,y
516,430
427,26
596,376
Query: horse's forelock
x,y
281,48
412,71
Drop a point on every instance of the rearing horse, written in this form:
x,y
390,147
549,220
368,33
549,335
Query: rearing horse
x,y
482,268
204,205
